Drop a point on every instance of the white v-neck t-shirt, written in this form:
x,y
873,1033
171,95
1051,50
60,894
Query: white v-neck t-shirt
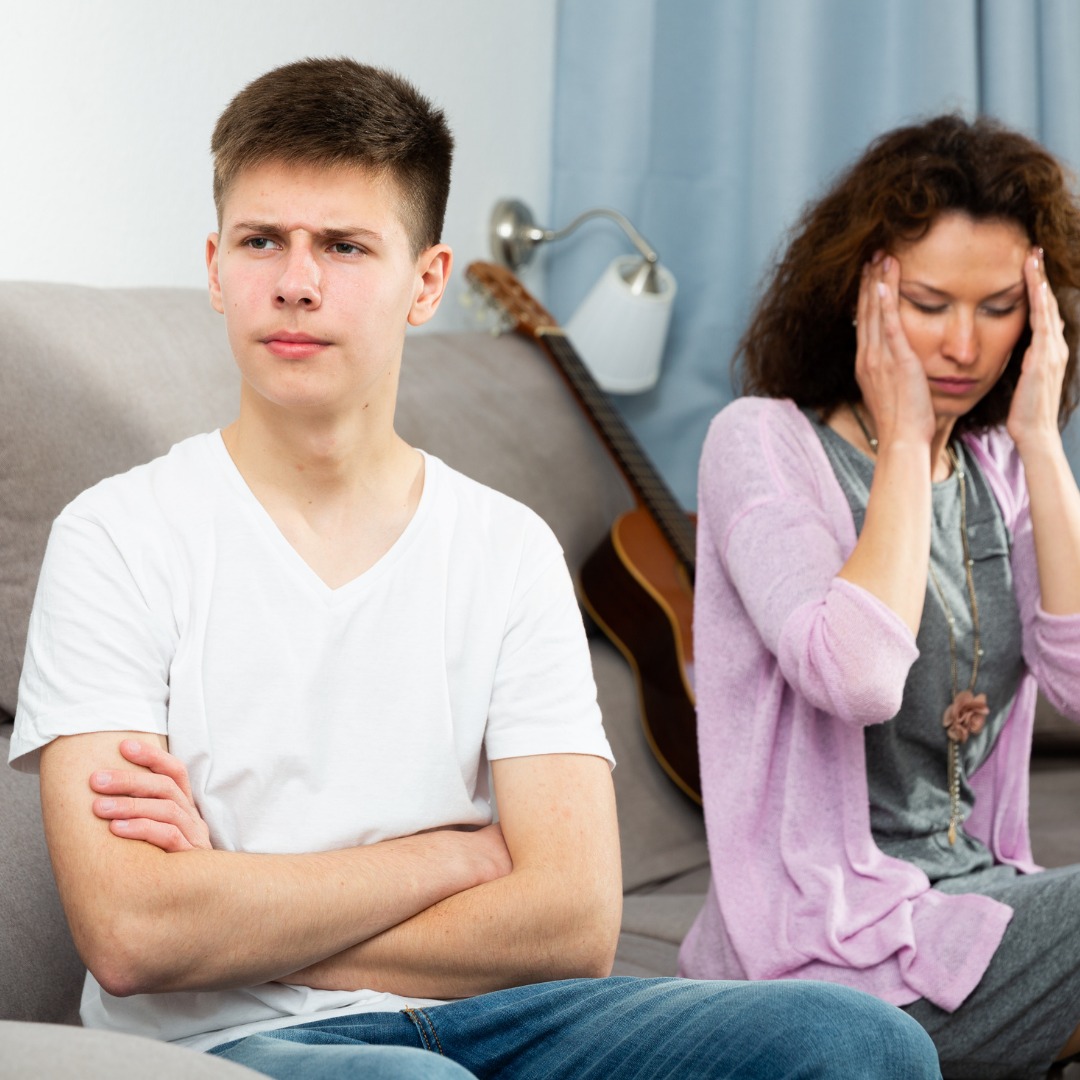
x,y
309,718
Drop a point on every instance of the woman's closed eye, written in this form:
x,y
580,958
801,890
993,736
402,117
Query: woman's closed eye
x,y
1000,310
929,307
996,310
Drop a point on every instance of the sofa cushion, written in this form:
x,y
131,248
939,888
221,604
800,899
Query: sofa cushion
x,y
41,975
662,832
47,1052
95,381
98,380
495,409
653,928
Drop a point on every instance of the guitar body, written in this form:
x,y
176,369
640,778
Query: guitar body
x,y
639,594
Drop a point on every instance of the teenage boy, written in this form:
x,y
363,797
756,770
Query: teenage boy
x,y
266,674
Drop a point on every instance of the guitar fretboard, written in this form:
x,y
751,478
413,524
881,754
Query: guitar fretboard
x,y
639,471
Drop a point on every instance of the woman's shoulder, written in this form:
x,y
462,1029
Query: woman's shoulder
x,y
769,438
745,414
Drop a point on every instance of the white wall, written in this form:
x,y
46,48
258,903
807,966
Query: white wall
x,y
108,105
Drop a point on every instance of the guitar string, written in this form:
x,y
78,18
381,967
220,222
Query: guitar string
x,y
670,515
660,501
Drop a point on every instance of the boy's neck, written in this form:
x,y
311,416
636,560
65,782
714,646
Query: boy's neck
x,y
307,454
340,487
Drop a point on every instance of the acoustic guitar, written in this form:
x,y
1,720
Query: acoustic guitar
x,y
638,584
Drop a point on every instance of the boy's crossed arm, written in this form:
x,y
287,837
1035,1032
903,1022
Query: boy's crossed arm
x,y
439,914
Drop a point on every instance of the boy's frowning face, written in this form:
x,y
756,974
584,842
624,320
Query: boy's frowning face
x,y
314,273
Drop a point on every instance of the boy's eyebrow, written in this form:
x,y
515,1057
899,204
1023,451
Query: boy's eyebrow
x,y
272,228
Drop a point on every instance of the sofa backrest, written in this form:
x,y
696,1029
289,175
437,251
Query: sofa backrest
x,y
93,382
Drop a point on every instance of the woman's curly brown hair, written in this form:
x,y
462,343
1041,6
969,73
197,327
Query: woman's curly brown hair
x,y
800,343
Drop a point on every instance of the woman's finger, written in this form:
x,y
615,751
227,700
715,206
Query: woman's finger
x,y
1035,279
862,309
873,319
157,760
1047,326
167,837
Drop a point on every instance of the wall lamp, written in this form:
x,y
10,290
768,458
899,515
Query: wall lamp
x,y
620,328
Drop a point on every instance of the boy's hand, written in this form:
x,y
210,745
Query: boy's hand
x,y
156,806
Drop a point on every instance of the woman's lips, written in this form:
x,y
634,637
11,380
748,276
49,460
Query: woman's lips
x,y
954,386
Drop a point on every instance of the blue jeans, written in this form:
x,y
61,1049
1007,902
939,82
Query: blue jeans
x,y
610,1029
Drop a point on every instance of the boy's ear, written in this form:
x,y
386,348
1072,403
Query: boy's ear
x,y
212,242
432,273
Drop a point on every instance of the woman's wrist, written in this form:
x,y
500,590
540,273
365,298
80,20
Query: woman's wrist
x,y
914,449
1042,443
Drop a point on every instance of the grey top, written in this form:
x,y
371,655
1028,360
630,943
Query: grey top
x,y
907,757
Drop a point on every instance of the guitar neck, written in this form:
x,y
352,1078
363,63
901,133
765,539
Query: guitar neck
x,y
640,473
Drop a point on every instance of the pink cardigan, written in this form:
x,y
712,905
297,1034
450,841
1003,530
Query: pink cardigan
x,y
791,663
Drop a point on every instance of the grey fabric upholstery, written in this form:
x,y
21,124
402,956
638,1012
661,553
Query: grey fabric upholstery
x,y
48,1052
94,382
41,975
97,381
653,927
662,832
495,409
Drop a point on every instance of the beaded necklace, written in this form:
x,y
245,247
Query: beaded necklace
x,y
967,713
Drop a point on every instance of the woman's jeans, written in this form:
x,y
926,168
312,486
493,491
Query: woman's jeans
x,y
610,1029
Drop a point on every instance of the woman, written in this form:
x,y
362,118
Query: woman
x,y
888,564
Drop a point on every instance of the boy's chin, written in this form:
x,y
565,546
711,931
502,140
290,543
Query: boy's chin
x,y
307,395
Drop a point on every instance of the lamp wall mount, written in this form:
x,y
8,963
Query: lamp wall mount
x,y
515,237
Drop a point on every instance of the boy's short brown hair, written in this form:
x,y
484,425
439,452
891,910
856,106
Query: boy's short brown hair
x,y
336,112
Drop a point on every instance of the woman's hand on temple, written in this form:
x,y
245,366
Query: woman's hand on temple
x,y
1033,415
891,377
891,555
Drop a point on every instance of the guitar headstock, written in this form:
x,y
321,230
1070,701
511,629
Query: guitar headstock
x,y
501,289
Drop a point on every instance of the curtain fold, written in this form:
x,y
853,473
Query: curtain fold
x,y
711,123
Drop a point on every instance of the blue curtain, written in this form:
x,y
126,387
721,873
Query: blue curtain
x,y
711,123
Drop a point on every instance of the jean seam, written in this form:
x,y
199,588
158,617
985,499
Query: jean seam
x,y
434,1033
412,1015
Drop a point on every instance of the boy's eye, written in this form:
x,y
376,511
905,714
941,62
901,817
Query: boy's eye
x,y
343,247
260,243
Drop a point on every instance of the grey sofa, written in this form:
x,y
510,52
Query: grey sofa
x,y
93,382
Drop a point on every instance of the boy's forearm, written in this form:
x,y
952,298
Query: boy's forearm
x,y
524,928
213,920
147,921
556,916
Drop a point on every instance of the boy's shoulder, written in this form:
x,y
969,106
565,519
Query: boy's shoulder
x,y
174,482
491,515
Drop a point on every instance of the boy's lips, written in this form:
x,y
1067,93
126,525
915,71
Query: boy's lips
x,y
954,386
291,346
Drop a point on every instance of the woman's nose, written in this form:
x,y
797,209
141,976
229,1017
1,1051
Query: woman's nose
x,y
961,342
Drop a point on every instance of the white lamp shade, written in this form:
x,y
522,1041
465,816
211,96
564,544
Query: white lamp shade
x,y
619,334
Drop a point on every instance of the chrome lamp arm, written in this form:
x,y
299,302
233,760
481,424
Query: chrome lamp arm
x,y
515,237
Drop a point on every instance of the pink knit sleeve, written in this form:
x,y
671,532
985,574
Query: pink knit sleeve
x,y
782,534
1051,643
